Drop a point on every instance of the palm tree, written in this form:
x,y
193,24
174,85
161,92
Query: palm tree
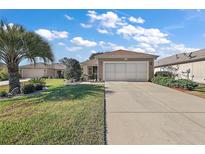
x,y
17,44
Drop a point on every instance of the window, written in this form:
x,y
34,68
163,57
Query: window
x,y
90,70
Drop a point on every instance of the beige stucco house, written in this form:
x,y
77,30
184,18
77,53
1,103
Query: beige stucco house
x,y
42,70
184,65
120,65
2,65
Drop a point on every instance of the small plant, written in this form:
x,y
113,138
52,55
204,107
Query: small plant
x,y
38,86
3,93
40,81
28,88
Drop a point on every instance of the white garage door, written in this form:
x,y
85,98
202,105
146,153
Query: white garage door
x,y
31,73
126,71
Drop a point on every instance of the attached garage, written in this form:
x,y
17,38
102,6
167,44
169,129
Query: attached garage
x,y
126,71
27,73
121,65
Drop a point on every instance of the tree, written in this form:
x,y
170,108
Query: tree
x,y
17,44
72,70
92,56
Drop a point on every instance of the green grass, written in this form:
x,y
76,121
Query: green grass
x,y
4,88
61,115
199,91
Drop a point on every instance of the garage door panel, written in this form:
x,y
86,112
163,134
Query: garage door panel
x,y
136,71
110,76
120,72
32,73
110,68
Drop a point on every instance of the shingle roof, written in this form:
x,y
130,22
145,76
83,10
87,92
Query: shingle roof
x,y
125,54
92,62
43,66
181,58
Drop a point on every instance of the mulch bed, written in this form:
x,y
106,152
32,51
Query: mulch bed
x,y
188,92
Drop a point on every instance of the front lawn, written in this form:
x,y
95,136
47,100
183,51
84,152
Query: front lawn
x,y
61,115
199,91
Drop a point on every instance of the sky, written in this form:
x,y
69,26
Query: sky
x,y
79,33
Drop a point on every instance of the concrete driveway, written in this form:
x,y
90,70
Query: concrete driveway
x,y
145,113
4,83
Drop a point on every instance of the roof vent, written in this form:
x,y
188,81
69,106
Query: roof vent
x,y
191,56
177,57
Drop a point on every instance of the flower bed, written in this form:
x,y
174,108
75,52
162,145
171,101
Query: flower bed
x,y
175,83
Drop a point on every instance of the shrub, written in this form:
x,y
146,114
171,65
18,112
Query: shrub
x,y
164,74
3,93
73,69
171,82
165,81
186,84
38,86
28,88
39,81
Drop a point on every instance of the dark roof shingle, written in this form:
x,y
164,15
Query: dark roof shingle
x,y
181,58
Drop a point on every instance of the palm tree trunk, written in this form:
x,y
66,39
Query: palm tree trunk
x,y
13,71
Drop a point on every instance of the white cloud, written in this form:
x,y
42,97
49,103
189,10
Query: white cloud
x,y
52,34
73,48
174,48
130,31
61,44
107,20
150,36
86,25
110,46
93,51
144,45
11,24
5,26
68,17
138,20
136,49
154,40
82,42
103,31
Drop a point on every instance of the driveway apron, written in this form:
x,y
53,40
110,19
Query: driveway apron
x,y
146,113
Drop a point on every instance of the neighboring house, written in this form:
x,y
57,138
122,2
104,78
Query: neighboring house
x,y
2,65
184,65
120,65
42,70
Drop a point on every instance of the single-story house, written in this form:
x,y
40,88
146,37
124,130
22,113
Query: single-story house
x,y
55,70
2,65
184,65
120,65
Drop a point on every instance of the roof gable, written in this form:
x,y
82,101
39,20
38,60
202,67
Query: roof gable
x,y
125,54
91,62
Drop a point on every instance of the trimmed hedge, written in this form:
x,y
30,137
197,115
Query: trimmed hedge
x,y
171,82
164,74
